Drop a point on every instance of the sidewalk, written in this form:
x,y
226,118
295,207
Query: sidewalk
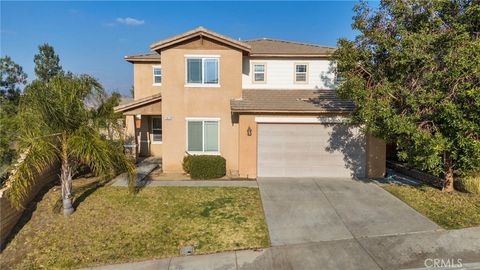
x,y
402,251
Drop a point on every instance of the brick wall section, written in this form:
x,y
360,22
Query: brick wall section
x,y
422,176
9,215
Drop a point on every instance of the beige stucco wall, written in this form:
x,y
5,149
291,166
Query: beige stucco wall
x,y
248,147
179,102
143,80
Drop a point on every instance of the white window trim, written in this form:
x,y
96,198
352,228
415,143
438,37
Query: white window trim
x,y
295,73
203,57
153,74
264,72
203,119
161,130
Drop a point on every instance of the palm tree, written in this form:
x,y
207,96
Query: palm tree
x,y
56,127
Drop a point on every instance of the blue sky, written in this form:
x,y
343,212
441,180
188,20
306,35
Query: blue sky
x,y
93,37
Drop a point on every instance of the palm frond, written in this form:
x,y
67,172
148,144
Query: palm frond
x,y
101,155
41,153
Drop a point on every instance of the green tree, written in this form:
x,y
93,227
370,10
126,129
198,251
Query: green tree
x,y
56,126
12,78
47,63
107,119
413,72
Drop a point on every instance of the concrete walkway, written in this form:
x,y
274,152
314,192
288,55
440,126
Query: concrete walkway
x,y
202,183
143,168
400,251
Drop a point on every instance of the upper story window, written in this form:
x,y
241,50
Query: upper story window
x,y
202,71
259,72
157,75
301,73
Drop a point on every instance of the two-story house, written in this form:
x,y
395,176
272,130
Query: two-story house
x,y
267,106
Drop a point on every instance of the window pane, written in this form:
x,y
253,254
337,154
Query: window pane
x,y
301,77
301,68
259,77
194,70
156,123
211,71
259,68
157,135
195,136
211,136
158,79
157,71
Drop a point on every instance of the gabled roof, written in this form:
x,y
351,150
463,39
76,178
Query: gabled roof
x,y
295,101
138,103
202,32
145,57
275,47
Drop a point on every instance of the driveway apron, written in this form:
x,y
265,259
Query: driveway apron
x,y
313,210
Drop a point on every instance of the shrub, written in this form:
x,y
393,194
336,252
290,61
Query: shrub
x,y
207,167
471,183
187,163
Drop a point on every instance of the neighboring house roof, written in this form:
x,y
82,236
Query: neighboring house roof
x,y
202,32
145,57
274,47
302,101
138,103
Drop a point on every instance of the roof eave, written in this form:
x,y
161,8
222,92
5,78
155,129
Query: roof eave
x,y
291,111
138,59
290,55
199,32
138,103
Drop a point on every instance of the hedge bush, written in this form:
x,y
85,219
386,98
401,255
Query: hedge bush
x,y
205,166
186,163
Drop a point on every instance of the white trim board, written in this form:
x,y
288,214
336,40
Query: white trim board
x,y
303,120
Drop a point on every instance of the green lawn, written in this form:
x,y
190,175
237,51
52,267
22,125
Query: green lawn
x,y
111,226
450,210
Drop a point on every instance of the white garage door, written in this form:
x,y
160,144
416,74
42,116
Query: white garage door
x,y
310,150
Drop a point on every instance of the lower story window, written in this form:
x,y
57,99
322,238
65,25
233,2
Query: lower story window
x,y
202,136
156,129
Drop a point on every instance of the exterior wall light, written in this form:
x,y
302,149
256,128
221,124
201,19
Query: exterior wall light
x,y
249,131
138,121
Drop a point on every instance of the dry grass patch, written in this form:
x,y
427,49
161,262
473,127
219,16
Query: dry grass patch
x,y
450,210
111,226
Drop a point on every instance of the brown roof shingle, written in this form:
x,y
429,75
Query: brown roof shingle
x,y
138,103
145,57
260,100
268,46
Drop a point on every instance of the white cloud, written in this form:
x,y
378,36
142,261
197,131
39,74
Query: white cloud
x,y
129,21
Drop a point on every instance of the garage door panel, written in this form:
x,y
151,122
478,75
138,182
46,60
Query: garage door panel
x,y
310,150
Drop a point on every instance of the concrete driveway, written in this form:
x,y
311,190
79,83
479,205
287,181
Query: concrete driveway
x,y
313,210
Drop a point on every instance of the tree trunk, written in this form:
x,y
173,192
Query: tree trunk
x,y
66,180
448,185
